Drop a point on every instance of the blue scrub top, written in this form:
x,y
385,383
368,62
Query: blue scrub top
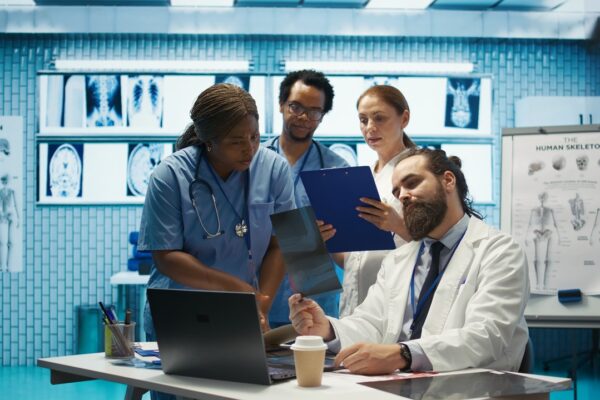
x,y
280,310
169,221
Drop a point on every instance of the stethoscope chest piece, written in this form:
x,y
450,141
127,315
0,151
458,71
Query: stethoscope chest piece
x,y
241,228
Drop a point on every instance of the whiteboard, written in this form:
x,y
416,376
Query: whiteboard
x,y
550,203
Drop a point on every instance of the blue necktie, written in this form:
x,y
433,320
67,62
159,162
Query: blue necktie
x,y
434,270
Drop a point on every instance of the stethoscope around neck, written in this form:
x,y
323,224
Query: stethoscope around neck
x,y
275,147
241,229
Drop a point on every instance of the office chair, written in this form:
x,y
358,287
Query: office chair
x,y
528,359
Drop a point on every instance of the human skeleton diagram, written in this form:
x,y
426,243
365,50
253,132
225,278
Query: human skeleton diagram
x,y
461,112
103,100
542,227
65,172
145,106
9,221
578,212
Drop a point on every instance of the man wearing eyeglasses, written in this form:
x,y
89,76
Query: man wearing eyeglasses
x,y
304,98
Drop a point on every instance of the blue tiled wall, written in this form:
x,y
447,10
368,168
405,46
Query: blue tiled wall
x,y
70,252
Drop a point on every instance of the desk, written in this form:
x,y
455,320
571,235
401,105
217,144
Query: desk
x,y
124,280
138,380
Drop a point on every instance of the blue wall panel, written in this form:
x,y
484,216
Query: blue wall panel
x,y
71,252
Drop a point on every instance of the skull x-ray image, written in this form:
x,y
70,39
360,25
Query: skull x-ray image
x,y
65,170
103,100
462,103
143,158
145,101
237,80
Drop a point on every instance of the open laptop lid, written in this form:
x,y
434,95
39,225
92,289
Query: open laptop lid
x,y
209,334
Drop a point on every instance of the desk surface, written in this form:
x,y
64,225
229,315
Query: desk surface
x,y
335,385
129,278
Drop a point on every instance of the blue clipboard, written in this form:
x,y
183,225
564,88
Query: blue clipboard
x,y
334,195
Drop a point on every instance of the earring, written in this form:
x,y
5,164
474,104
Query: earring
x,y
208,147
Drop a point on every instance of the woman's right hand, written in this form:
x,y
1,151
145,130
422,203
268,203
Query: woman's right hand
x,y
327,230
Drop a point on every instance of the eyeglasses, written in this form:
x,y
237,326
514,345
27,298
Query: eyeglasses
x,y
313,114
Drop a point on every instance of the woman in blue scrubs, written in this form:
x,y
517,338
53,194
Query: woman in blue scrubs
x,y
206,213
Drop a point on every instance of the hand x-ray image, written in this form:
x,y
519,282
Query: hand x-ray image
x,y
103,101
65,170
237,80
145,101
462,103
143,158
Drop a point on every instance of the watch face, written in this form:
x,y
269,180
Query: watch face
x,y
142,161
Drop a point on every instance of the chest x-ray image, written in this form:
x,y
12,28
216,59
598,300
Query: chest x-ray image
x,y
237,80
103,101
65,170
145,101
143,158
462,103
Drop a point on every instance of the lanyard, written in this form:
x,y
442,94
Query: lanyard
x,y
243,225
303,160
424,298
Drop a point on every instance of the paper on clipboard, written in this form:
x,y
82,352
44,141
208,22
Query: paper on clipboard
x,y
334,195
310,268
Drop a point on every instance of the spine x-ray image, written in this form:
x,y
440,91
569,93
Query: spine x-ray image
x,y
103,96
237,80
462,103
143,158
145,101
65,170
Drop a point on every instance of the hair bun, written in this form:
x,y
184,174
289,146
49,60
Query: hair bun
x,y
456,161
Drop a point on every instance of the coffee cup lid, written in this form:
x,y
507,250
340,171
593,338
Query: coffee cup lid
x,y
309,343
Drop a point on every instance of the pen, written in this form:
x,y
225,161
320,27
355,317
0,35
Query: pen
x,y
106,313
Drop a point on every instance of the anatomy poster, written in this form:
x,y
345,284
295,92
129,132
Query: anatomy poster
x,y
556,209
11,194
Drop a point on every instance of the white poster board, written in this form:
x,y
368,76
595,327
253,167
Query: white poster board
x,y
551,204
11,194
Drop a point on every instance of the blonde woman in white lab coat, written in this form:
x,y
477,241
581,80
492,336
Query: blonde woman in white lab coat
x,y
383,113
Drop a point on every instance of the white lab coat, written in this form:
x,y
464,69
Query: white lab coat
x,y
361,267
476,316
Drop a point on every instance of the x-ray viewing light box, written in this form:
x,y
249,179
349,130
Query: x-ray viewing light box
x,y
418,68
153,65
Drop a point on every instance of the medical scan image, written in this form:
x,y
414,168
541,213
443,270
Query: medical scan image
x,y
65,170
558,162
143,158
582,162
103,101
237,80
535,166
145,101
462,103
577,211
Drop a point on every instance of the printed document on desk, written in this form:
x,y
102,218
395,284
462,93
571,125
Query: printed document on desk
x,y
334,195
310,268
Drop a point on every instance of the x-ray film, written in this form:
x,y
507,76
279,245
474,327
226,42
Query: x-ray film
x,y
310,269
103,101
462,103
143,159
145,101
65,169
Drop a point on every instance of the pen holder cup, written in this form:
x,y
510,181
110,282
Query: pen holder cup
x,y
118,340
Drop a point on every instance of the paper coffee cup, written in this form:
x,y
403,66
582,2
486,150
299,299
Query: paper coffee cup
x,y
309,360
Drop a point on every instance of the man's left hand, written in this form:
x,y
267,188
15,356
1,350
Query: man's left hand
x,y
371,359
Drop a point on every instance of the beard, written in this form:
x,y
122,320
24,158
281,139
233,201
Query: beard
x,y
422,216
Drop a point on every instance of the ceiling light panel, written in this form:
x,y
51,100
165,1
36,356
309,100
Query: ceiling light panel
x,y
399,4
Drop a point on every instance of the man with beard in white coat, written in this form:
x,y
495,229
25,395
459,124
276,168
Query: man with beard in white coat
x,y
460,306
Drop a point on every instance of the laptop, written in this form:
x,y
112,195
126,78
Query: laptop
x,y
215,335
